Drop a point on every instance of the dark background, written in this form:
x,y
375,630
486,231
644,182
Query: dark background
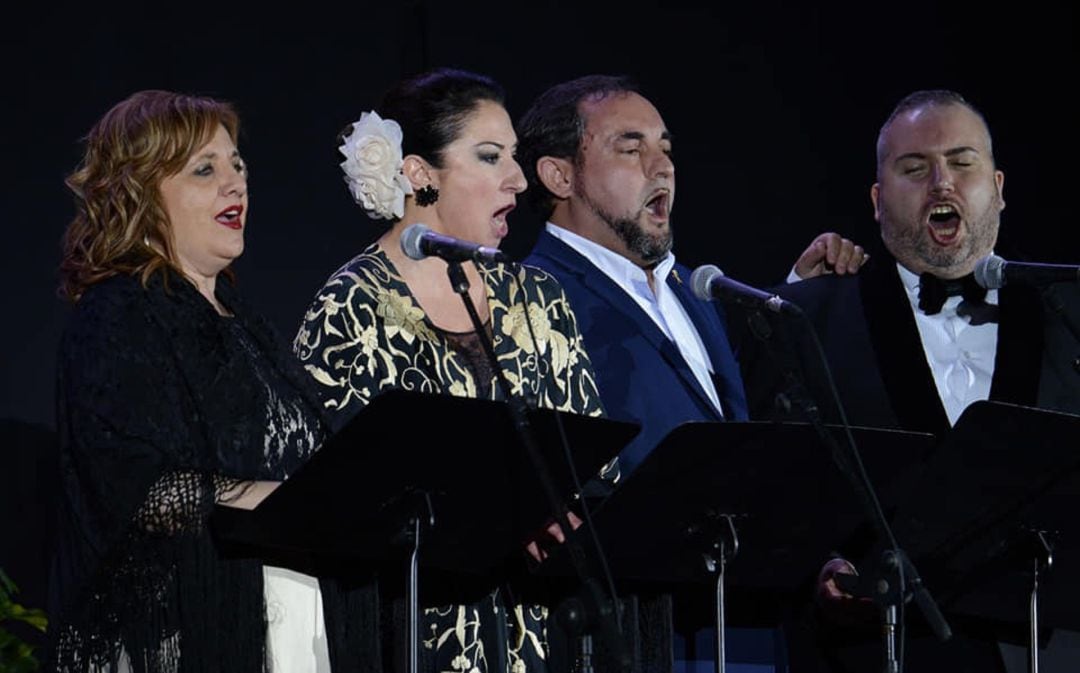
x,y
774,110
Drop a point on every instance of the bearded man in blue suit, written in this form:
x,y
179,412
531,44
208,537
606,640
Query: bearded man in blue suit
x,y
597,156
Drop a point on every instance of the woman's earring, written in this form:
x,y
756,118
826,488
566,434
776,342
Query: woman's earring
x,y
426,195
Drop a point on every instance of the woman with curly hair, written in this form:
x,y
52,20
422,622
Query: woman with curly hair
x,y
173,397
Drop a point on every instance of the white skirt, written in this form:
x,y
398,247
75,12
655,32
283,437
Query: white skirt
x,y
295,630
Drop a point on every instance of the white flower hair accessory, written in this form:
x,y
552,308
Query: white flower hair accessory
x,y
373,166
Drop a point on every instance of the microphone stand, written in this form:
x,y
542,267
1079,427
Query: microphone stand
x,y
718,539
1043,550
897,579
596,607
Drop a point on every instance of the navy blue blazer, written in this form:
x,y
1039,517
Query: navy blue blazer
x,y
641,375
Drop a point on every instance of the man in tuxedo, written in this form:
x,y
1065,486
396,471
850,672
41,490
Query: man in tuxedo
x,y
597,156
913,340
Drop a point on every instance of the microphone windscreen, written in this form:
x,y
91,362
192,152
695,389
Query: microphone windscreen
x,y
701,278
990,272
411,238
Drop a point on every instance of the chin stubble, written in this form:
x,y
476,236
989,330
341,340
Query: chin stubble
x,y
650,249
981,235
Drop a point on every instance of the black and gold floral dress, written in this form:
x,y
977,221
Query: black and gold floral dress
x,y
365,334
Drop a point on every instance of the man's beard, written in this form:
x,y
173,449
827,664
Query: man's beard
x,y
946,262
649,248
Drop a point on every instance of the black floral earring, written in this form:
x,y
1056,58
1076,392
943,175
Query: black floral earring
x,y
426,195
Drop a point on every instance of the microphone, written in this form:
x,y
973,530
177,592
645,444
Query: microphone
x,y
709,282
419,241
993,272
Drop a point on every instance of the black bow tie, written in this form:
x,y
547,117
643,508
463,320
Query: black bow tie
x,y
933,292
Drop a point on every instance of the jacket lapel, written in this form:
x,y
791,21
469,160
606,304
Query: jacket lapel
x,y
607,291
706,319
898,349
1017,363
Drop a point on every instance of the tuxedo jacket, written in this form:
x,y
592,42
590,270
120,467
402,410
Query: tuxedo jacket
x,y
641,375
872,345
870,340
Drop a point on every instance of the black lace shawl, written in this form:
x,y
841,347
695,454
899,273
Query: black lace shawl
x,y
159,412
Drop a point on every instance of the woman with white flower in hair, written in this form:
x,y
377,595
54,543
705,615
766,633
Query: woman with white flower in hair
x,y
440,150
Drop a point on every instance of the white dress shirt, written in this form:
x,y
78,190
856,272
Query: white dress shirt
x,y
961,355
662,305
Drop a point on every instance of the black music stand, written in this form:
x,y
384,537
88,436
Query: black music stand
x,y
1002,470
789,505
410,458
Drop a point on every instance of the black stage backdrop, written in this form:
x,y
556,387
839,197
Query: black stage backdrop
x,y
774,108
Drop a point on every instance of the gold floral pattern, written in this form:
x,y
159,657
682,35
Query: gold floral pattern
x,y
364,334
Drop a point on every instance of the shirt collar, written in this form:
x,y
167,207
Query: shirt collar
x,y
618,268
908,278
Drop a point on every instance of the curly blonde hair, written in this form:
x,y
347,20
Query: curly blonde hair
x,y
120,224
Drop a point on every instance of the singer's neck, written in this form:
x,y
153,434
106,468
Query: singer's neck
x,y
957,269
429,285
